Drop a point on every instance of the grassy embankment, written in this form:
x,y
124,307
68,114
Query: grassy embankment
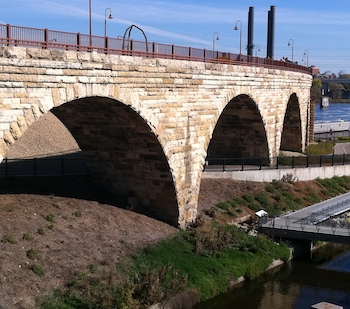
x,y
206,257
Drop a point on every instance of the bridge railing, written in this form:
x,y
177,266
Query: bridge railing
x,y
282,162
47,166
51,39
301,224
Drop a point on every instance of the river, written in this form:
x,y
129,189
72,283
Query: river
x,y
335,112
298,284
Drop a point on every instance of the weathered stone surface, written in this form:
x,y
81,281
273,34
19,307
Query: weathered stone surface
x,y
187,109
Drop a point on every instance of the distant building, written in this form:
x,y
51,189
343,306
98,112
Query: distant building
x,y
315,71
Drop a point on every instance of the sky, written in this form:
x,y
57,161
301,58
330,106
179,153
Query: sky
x,y
318,31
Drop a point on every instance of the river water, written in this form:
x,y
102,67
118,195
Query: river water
x,y
335,112
296,285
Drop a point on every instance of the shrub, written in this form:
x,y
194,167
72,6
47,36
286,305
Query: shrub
x,y
289,178
27,237
263,200
312,198
240,201
77,214
228,207
93,268
37,270
254,206
32,254
41,231
271,189
8,239
50,218
248,197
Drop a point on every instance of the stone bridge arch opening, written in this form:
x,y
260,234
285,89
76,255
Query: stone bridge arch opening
x,y
291,138
239,132
122,154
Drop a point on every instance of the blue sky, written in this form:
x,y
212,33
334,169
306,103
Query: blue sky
x,y
320,29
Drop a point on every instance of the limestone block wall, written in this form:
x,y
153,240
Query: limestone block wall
x,y
180,101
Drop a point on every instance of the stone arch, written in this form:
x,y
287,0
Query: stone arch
x,y
291,137
122,153
239,131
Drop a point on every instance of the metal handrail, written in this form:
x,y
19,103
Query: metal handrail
x,y
45,166
52,39
282,162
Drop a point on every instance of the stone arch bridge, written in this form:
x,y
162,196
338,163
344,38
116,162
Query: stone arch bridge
x,y
145,125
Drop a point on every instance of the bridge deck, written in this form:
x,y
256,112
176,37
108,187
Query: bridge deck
x,y
308,223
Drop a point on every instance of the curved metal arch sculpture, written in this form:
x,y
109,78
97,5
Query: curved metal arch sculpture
x,y
129,29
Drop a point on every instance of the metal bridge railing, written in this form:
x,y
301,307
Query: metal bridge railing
x,y
51,39
246,164
52,166
301,224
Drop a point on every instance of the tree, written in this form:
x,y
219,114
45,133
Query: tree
x,y
336,90
316,89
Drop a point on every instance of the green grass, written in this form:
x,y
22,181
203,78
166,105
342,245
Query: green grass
x,y
320,148
210,270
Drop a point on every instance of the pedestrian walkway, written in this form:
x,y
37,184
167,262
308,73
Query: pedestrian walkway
x,y
330,127
307,224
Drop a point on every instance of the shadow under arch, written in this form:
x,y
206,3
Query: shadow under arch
x,y
291,138
239,131
122,154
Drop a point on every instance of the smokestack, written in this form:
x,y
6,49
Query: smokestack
x,y
271,33
250,40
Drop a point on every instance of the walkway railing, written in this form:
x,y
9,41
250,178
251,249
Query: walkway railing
x,y
52,166
246,164
51,39
303,225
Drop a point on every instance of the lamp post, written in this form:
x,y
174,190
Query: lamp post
x,y
90,20
306,55
257,49
292,48
215,37
240,35
110,17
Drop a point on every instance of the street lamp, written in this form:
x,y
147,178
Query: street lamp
x,y
215,37
240,35
90,20
306,55
257,49
292,48
110,17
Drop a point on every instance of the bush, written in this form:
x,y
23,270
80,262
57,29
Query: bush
x,y
32,254
37,270
248,197
50,218
27,237
93,267
8,239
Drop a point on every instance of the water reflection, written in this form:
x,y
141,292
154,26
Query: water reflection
x,y
295,285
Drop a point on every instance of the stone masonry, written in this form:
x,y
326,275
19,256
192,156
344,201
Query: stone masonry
x,y
145,125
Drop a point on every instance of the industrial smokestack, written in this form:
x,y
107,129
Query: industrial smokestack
x,y
271,33
250,46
